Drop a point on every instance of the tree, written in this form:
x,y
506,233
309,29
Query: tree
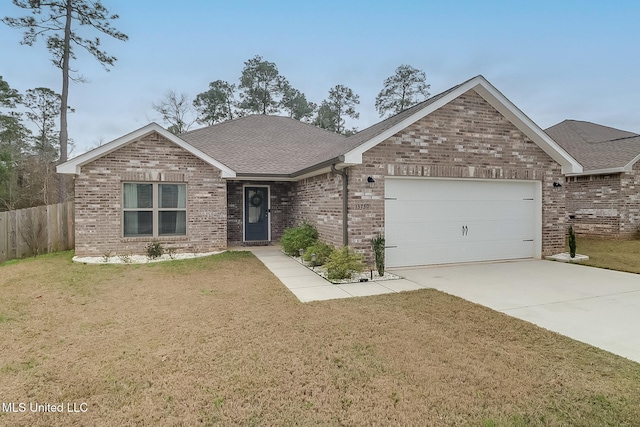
x,y
404,89
332,112
13,147
52,20
43,108
296,105
176,111
261,86
216,104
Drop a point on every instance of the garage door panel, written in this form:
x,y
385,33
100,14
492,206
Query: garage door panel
x,y
431,221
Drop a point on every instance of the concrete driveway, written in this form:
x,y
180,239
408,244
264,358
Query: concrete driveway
x,y
595,306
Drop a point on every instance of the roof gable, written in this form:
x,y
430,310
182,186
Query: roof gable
x,y
72,167
368,138
601,149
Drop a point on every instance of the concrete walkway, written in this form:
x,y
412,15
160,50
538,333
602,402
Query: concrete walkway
x,y
308,286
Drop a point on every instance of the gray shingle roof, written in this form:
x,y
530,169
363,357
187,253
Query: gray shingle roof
x,y
596,146
262,144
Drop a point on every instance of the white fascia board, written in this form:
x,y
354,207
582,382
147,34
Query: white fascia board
x,y
271,178
72,167
520,120
629,166
500,103
626,168
606,171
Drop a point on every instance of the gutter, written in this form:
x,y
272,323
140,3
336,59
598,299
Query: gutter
x,y
345,204
330,162
602,171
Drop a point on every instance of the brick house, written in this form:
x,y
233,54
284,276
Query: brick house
x,y
603,200
463,176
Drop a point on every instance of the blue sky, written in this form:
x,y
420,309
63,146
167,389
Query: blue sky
x,y
553,59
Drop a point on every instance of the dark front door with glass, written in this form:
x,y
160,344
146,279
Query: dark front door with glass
x,y
256,213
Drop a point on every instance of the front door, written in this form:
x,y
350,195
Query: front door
x,y
256,213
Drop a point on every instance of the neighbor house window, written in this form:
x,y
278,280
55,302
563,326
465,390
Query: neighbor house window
x,y
154,209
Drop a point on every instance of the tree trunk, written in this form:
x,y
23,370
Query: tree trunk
x,y
64,135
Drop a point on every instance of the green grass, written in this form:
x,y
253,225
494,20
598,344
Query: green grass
x,y
612,254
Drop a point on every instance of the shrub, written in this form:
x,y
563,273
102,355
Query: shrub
x,y
321,250
296,238
572,242
378,250
343,264
154,250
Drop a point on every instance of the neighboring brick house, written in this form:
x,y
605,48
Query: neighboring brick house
x,y
603,200
463,176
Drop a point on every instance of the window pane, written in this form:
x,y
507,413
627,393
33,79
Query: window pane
x,y
172,196
255,206
138,196
138,223
172,222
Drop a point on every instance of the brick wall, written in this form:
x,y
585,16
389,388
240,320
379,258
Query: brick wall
x,y
318,201
605,205
98,195
466,138
594,203
279,203
630,202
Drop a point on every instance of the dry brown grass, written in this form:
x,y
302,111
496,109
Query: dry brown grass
x,y
614,254
219,341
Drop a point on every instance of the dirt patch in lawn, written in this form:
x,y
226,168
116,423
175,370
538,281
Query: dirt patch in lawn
x,y
220,341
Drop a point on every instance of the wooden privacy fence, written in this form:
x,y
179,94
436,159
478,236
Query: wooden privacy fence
x,y
34,231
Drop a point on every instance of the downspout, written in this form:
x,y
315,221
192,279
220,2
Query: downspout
x,y
345,204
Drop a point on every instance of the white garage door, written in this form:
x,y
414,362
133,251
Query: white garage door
x,y
439,221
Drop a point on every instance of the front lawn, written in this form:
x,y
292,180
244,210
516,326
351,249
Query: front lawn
x,y
220,341
614,254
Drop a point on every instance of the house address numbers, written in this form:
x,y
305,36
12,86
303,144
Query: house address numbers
x,y
360,206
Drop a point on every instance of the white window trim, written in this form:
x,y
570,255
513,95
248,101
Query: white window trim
x,y
155,209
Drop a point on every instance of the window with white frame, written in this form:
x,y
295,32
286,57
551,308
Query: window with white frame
x,y
154,209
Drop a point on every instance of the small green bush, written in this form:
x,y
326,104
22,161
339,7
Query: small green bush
x,y
344,264
378,250
572,242
296,238
154,250
322,252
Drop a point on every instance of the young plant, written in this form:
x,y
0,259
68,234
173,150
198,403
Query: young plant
x,y
106,256
296,238
318,253
572,242
344,264
378,250
154,250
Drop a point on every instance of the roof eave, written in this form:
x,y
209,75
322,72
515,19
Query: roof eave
x,y
527,126
605,171
314,170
